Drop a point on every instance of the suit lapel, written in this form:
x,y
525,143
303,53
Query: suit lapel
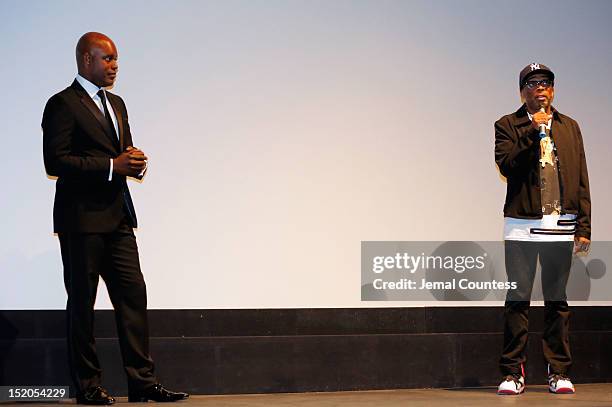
x,y
115,106
88,102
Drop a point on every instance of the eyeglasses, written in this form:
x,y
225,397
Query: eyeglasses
x,y
545,83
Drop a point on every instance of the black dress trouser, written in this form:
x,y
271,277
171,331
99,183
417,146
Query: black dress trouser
x,y
114,257
521,261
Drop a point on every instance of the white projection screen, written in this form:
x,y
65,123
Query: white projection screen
x,y
281,134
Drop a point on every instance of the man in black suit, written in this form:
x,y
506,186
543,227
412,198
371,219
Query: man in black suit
x,y
87,145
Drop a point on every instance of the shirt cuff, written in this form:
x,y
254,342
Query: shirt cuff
x,y
144,169
110,171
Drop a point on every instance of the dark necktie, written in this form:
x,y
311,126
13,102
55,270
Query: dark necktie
x,y
109,120
127,199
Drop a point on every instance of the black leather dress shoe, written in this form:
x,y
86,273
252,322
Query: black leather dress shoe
x,y
95,396
156,393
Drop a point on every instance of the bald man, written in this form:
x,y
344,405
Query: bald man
x,y
87,145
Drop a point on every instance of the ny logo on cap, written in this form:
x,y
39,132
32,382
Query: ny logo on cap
x,y
534,66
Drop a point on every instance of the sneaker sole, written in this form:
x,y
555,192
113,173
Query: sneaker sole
x,y
562,390
510,392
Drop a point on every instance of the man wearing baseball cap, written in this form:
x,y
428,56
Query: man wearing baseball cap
x,y
547,215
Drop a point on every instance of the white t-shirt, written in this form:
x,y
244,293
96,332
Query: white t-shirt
x,y
546,229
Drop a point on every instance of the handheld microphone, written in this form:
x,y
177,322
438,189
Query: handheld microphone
x,y
542,126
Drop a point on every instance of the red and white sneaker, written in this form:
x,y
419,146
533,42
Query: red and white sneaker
x,y
560,384
512,385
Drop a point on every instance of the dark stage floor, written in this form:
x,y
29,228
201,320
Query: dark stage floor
x,y
591,395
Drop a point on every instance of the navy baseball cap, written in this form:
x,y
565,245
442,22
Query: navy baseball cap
x,y
533,69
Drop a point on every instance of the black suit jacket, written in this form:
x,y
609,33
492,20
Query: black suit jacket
x,y
77,147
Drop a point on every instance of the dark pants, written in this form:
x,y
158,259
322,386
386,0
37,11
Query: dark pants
x,y
521,261
114,256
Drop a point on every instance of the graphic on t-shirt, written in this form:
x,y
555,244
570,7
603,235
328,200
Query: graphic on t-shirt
x,y
546,151
549,178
